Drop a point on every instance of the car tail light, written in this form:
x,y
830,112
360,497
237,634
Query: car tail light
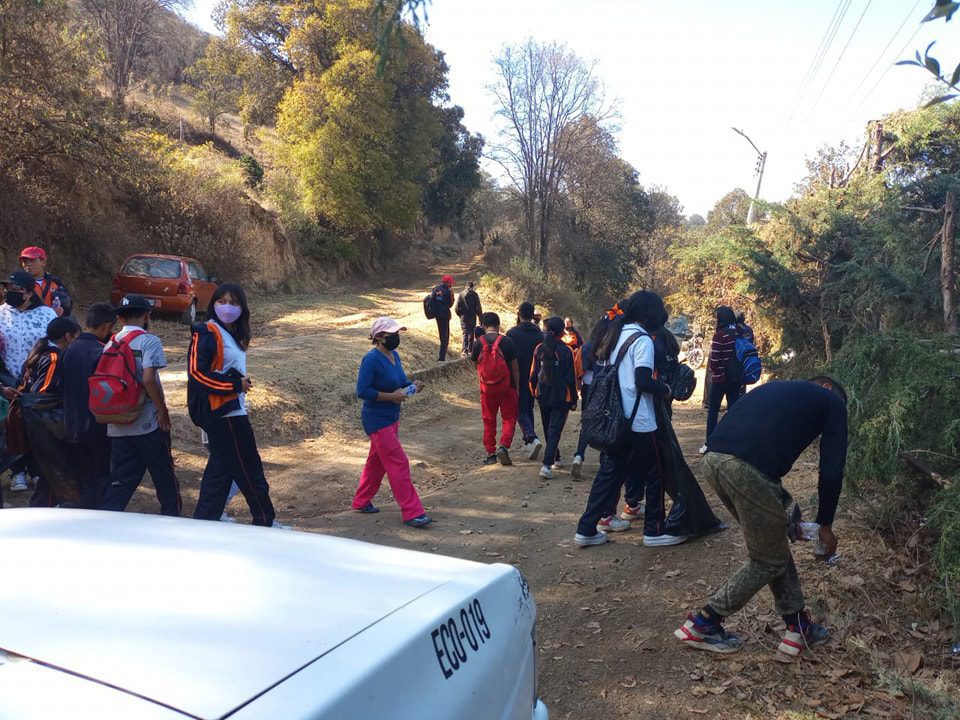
x,y
183,289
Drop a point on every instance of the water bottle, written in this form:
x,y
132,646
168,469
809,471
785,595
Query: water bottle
x,y
410,389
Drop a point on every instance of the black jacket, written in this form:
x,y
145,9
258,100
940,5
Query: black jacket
x,y
211,393
526,336
78,363
561,392
468,306
442,301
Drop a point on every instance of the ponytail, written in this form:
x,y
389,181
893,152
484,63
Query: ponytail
x,y
548,350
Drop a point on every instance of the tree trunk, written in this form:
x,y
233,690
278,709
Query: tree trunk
x,y
545,240
827,341
947,272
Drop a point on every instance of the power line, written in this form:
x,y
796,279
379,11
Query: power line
x,y
808,76
882,53
831,33
840,57
880,79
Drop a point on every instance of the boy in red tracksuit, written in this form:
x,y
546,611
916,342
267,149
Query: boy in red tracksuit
x,y
495,356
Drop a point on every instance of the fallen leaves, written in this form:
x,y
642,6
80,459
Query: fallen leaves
x,y
909,662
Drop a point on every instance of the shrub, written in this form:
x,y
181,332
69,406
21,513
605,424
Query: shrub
x,y
905,398
252,170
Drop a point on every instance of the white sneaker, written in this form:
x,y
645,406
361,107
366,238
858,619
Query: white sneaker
x,y
663,540
226,518
546,473
277,525
575,468
585,540
18,483
533,449
703,449
557,466
613,524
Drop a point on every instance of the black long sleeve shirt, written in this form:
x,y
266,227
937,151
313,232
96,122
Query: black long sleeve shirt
x,y
771,426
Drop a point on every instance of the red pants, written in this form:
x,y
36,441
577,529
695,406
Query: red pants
x,y
494,400
387,457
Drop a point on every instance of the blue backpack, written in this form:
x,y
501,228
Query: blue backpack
x,y
744,367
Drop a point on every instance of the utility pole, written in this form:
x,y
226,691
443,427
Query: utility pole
x,y
947,271
761,165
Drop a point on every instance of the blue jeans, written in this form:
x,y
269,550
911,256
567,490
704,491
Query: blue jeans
x,y
133,455
525,413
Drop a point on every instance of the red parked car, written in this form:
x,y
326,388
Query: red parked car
x,y
172,284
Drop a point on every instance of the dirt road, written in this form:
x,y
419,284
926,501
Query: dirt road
x,y
606,614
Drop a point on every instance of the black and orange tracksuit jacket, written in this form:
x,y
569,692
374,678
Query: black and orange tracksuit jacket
x,y
52,287
211,393
562,392
44,375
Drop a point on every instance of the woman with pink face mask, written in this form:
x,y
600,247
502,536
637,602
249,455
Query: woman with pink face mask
x,y
216,395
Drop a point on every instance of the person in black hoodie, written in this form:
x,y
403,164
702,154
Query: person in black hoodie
x,y
42,379
469,310
87,441
554,384
526,336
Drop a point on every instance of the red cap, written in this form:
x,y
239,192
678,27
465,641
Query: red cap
x,y
447,279
33,253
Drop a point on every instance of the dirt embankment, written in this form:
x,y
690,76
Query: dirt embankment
x,y
606,614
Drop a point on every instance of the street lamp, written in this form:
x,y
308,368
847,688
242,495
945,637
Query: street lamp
x,y
761,164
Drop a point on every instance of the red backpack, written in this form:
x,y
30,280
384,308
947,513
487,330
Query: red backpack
x,y
116,394
492,366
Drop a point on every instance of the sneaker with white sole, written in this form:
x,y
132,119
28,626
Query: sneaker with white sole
x,y
663,540
277,525
586,540
613,524
503,455
557,466
576,467
703,449
705,635
798,638
226,518
546,473
632,512
534,449
18,483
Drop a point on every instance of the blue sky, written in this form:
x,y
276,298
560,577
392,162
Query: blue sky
x,y
685,72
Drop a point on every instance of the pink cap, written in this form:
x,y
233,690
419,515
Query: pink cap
x,y
33,253
385,325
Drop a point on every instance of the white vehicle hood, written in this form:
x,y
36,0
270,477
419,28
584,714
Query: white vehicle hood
x,y
197,616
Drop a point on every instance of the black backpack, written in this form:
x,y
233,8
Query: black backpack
x,y
683,382
428,310
603,421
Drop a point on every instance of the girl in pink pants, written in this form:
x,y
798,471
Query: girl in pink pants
x,y
383,386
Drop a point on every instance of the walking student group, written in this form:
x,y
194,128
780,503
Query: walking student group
x,y
625,377
85,411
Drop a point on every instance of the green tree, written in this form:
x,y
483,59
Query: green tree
x,y
217,88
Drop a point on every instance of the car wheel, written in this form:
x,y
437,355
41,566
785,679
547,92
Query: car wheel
x,y
189,316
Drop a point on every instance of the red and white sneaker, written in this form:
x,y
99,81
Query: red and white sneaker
x,y
631,512
612,524
798,638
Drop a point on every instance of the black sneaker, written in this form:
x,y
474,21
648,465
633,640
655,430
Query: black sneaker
x,y
503,455
490,459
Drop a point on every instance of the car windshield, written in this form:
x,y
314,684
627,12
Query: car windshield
x,y
152,267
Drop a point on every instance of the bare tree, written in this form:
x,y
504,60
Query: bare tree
x,y
124,25
543,93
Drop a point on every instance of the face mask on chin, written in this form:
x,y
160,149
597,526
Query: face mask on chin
x,y
14,298
391,342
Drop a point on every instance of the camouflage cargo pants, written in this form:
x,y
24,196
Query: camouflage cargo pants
x,y
760,505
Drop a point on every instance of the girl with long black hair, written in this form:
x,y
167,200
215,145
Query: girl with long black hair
x,y
588,353
216,395
638,388
553,382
